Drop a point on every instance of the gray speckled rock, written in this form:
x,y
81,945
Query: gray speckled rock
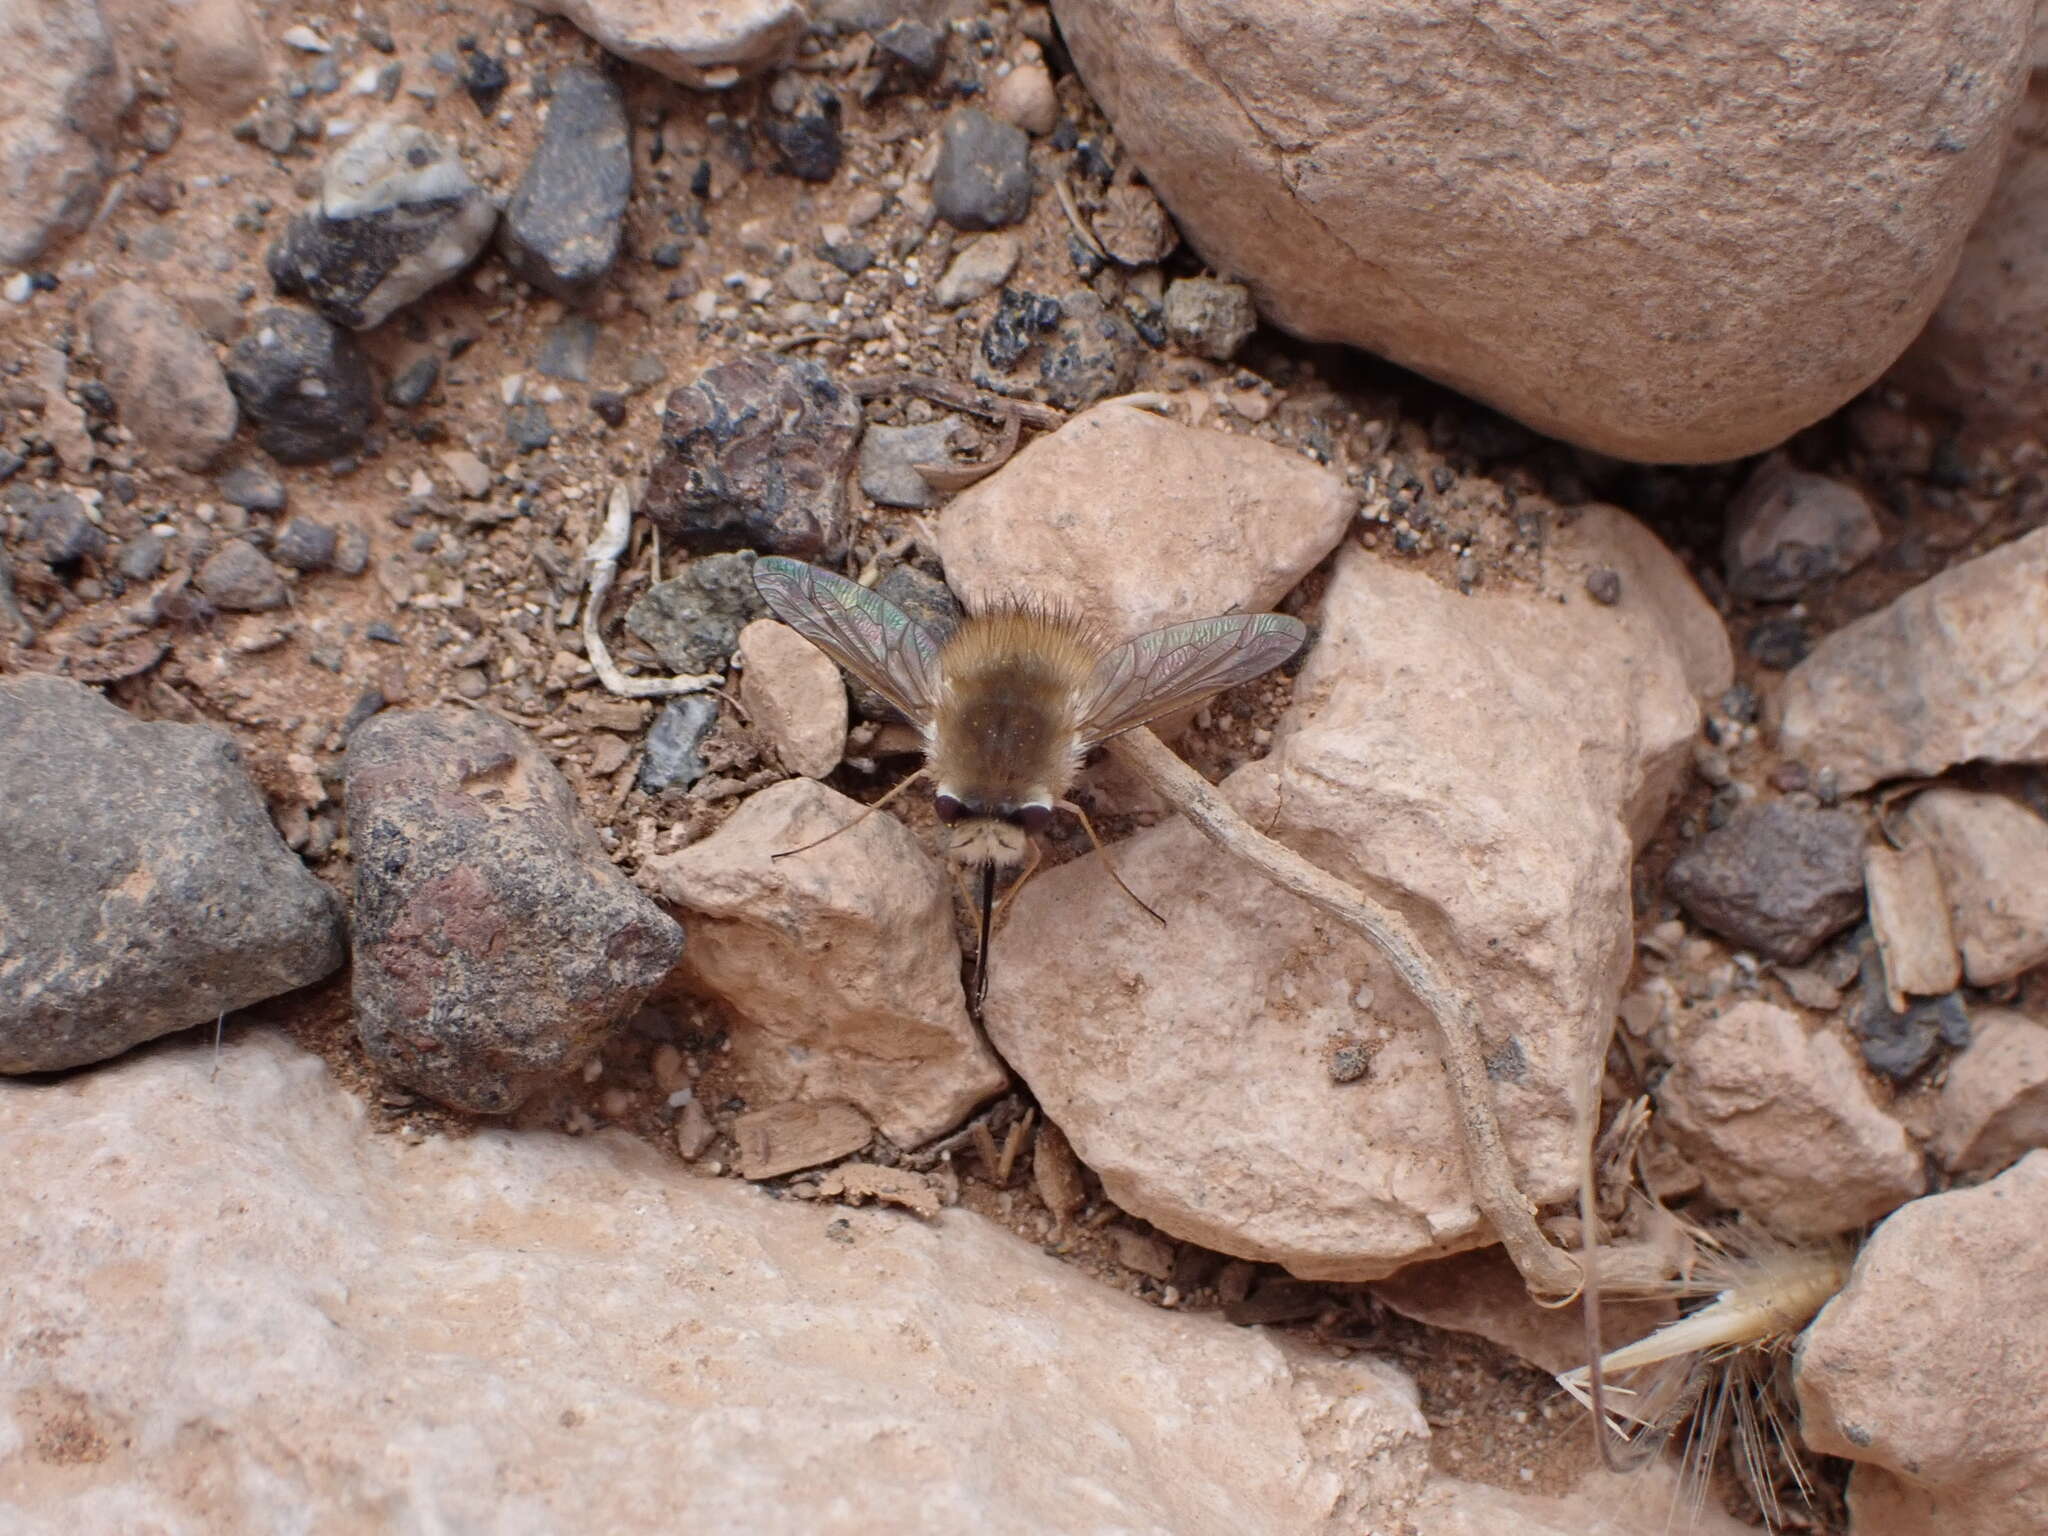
x,y
1779,878
693,620
305,383
65,95
983,178
562,229
495,944
142,887
396,215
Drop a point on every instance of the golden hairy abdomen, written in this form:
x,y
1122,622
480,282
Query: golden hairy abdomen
x,y
1011,682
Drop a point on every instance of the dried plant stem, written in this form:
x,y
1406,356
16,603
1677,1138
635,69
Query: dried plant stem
x,y
603,559
1545,1268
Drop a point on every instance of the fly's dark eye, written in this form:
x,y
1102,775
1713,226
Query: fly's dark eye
x,y
1034,818
947,808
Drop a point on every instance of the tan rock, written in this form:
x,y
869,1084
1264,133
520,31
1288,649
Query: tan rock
x,y
794,697
1955,669
1612,253
1782,1124
1929,1371
1650,1501
219,55
1438,758
1025,97
1138,522
171,389
1993,855
708,44
1483,1293
228,1304
1993,1108
841,962
66,91
1909,915
786,1137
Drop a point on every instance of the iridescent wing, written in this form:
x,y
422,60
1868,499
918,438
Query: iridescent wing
x,y
868,635
1182,664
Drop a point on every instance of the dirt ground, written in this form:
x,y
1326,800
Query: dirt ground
x,y
477,601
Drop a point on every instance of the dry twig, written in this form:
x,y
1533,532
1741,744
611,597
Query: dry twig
x,y
1545,1268
603,559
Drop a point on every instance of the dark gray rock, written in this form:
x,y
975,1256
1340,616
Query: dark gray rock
x,y
304,545
496,946
754,455
1788,530
528,426
889,457
305,383
413,383
983,177
914,51
1902,1045
1020,319
254,487
1093,354
142,887
396,215
1209,317
670,759
802,122
59,529
567,349
484,78
563,227
693,620
237,577
1778,878
141,559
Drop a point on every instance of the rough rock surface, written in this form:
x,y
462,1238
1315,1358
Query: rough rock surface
x,y
1650,1501
142,887
1781,1124
563,226
1994,1104
1955,669
794,696
1657,593
163,376
1993,856
495,944
306,384
1930,1369
578,1335
983,176
396,216
238,578
754,455
1703,294
218,52
1483,1293
693,620
1779,878
889,457
708,43
66,93
1138,522
1435,758
840,962
1789,529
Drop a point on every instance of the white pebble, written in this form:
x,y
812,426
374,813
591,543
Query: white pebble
x,y
364,82
305,39
20,288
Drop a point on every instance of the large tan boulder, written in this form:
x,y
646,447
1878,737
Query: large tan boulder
x,y
1666,234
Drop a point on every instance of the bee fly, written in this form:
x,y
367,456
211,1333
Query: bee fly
x,y
1010,702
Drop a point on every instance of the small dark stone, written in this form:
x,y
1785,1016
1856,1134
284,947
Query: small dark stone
x,y
528,427
1092,355
1604,586
914,50
1092,163
10,464
396,215
1778,878
983,178
141,559
700,180
567,349
304,545
1350,1063
755,454
668,255
1020,319
1901,1045
369,703
670,759
61,531
323,78
377,36
1740,703
852,258
802,122
485,80
1780,644
305,383
495,945
253,487
382,632
562,229
97,398
609,406
693,620
351,550
238,578
123,488
414,382
143,889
